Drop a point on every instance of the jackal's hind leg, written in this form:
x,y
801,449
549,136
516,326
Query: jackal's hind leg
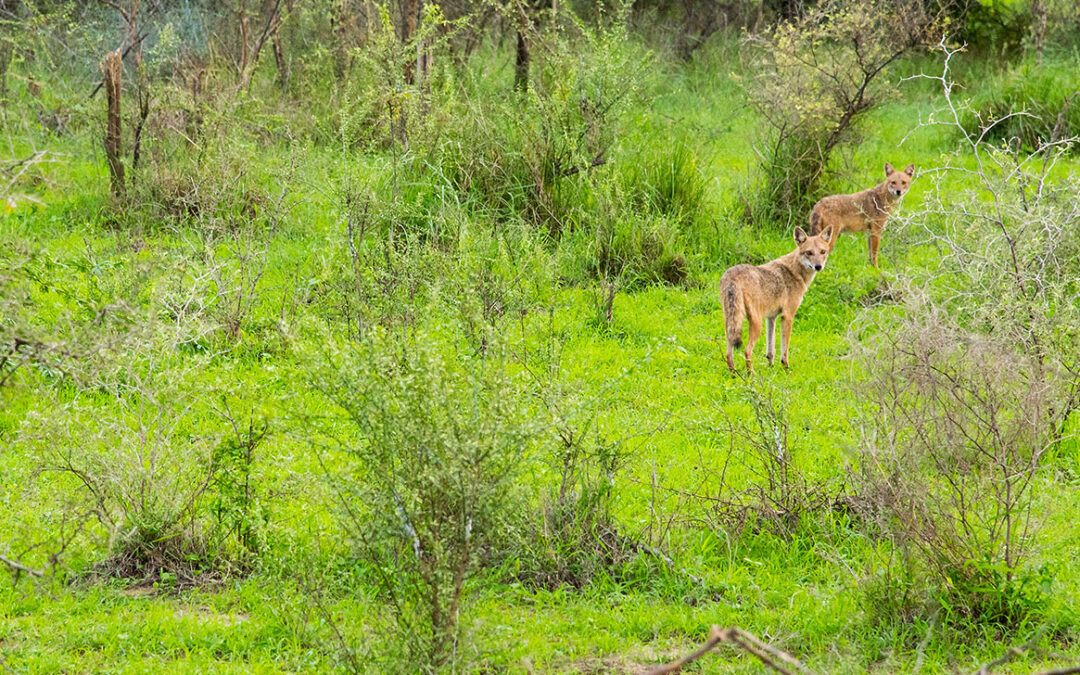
x,y
770,339
751,340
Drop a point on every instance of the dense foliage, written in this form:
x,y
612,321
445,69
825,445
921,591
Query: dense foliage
x,y
384,336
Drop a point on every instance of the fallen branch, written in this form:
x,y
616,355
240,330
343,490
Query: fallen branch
x,y
22,165
767,654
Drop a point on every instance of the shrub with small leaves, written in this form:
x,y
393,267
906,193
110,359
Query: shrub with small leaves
x,y
422,451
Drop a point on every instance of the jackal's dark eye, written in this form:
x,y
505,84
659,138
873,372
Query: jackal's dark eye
x,y
822,251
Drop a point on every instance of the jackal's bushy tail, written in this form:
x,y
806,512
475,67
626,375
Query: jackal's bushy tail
x,y
732,299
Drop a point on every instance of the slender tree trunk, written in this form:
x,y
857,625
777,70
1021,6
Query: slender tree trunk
x,y
340,26
142,96
279,58
424,55
112,70
1038,26
270,20
6,50
7,46
243,40
408,19
133,30
521,62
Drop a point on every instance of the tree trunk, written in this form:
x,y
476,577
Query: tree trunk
x,y
112,70
142,97
409,17
1038,26
7,45
521,62
279,58
6,50
243,42
340,26
271,22
424,57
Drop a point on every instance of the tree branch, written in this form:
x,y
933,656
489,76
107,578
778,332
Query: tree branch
x,y
20,568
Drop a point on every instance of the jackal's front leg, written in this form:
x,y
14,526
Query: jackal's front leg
x,y
785,338
873,241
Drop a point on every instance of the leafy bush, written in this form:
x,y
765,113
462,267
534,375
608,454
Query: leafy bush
x,y
817,75
530,155
1000,28
435,447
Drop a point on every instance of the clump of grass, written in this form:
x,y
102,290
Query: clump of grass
x,y
1030,104
665,180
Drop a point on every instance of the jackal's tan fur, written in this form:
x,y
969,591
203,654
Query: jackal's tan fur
x,y
866,210
768,291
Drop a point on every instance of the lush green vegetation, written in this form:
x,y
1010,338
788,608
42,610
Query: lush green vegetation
x,y
379,370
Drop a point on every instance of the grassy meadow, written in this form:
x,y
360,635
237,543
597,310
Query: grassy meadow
x,y
225,391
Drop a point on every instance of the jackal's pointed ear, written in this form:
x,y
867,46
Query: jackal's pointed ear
x,y
827,234
910,169
800,235
888,169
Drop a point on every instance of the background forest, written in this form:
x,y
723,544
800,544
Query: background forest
x,y
383,336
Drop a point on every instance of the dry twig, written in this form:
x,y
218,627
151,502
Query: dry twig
x,y
767,654
1013,652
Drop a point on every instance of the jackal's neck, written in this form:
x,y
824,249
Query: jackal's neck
x,y
792,262
884,197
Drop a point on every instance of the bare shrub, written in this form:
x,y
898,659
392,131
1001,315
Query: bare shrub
x,y
435,445
229,227
974,378
815,76
133,444
781,496
950,459
1009,255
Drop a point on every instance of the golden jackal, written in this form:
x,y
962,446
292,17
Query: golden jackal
x,y
864,210
772,290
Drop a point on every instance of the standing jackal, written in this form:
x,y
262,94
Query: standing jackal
x,y
772,290
866,210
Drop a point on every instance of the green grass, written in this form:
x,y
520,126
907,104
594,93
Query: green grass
x,y
659,384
